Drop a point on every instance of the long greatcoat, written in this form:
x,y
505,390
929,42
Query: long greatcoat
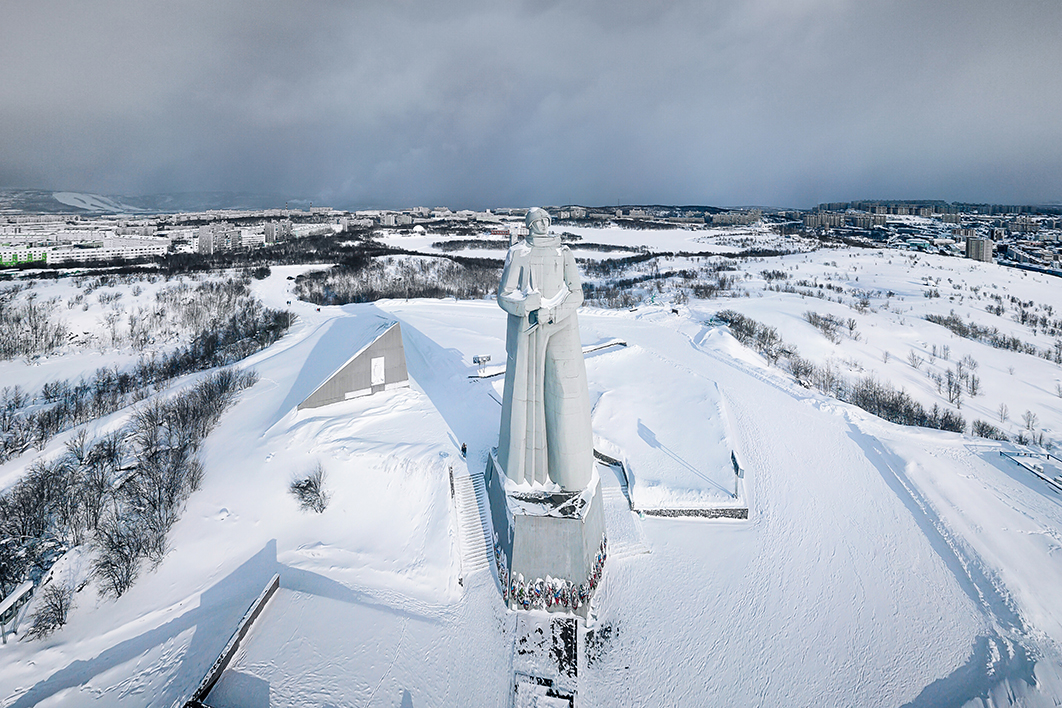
x,y
545,427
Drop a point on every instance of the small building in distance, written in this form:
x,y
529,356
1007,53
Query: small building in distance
x,y
378,365
979,249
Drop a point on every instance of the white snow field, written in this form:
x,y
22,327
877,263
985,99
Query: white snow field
x,y
880,565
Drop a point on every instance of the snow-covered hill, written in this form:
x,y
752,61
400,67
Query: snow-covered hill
x,y
92,202
881,565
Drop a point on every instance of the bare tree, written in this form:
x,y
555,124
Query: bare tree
x,y
51,613
119,550
1030,419
914,360
953,388
1003,413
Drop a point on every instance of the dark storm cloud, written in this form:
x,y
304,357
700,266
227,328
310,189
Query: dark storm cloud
x,y
786,102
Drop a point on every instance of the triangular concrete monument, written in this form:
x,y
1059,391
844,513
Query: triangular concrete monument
x,y
378,365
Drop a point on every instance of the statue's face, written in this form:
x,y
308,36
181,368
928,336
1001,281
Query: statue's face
x,y
540,226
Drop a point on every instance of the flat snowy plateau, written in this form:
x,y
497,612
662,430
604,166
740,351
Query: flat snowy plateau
x,y
881,565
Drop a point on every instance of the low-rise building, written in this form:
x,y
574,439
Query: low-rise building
x,y
110,249
18,254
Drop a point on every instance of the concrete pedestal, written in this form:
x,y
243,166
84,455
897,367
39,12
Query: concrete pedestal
x,y
550,546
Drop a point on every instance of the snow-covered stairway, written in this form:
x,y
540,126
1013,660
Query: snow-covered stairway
x,y
473,522
625,536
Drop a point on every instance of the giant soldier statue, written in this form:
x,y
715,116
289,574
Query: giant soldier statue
x,y
545,425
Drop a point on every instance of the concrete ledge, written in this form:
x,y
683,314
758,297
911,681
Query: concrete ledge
x,y
724,512
222,662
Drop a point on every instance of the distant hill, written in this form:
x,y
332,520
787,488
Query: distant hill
x,y
39,201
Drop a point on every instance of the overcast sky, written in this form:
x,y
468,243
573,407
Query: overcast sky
x,y
492,103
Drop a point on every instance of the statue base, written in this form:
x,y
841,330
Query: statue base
x,y
549,546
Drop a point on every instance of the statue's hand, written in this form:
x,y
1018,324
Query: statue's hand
x,y
532,301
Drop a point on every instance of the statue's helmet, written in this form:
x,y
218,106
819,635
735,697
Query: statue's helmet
x,y
534,214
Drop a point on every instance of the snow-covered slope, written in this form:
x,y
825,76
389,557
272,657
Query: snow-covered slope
x,y
92,202
880,565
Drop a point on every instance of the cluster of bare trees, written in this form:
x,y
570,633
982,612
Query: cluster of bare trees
x,y
183,311
756,335
706,282
897,406
879,398
1027,435
26,324
1027,312
622,294
832,327
993,337
120,492
370,279
244,329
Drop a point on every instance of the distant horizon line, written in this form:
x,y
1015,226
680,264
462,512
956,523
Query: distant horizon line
x,y
275,200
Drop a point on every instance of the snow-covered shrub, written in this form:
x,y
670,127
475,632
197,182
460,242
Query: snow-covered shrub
x,y
309,490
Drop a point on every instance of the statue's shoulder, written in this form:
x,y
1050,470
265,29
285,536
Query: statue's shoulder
x,y
519,249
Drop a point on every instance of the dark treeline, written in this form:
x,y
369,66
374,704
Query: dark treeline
x,y
367,279
472,243
605,247
346,246
615,266
873,396
503,245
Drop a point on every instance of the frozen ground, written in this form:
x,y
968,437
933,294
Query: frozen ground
x,y
718,241
880,565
